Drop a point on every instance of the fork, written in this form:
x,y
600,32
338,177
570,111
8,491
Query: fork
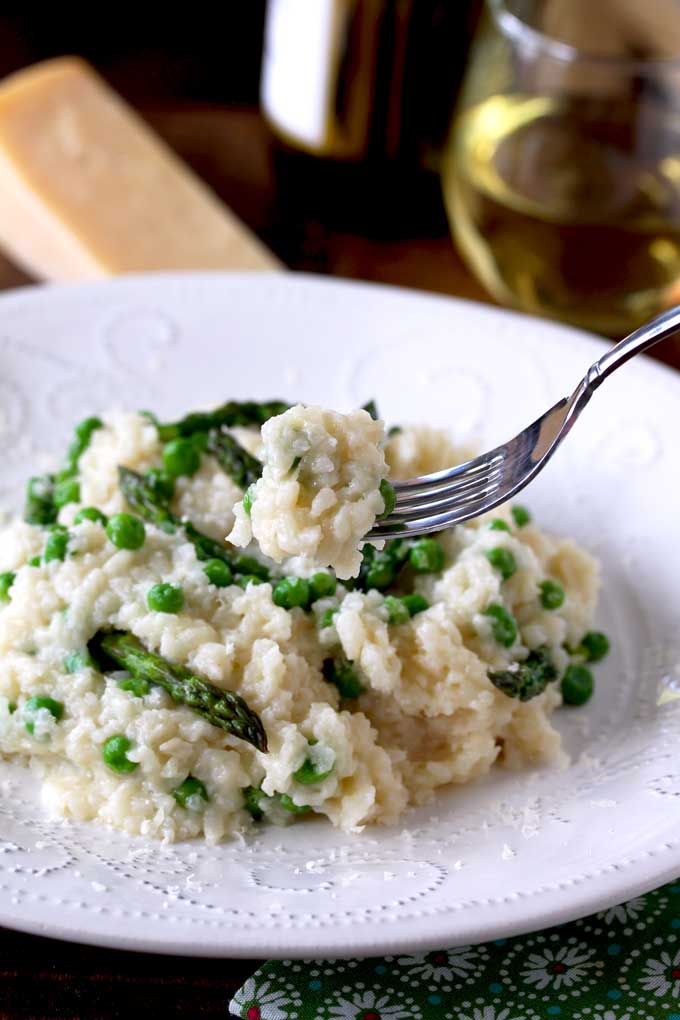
x,y
440,500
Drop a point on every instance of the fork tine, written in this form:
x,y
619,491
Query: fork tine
x,y
464,484
455,510
499,456
449,477
498,486
456,513
448,502
435,523
445,498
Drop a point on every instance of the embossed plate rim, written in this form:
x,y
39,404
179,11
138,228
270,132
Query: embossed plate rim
x,y
78,914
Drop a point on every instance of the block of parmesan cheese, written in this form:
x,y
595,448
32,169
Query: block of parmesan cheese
x,y
88,190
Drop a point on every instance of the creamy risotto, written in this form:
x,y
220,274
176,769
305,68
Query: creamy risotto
x,y
320,489
165,682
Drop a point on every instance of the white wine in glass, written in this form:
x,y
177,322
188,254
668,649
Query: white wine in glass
x,y
562,177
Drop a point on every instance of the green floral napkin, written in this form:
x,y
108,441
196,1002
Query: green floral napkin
x,y
621,964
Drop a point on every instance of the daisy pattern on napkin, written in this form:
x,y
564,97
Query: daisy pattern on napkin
x,y
662,976
367,1005
566,966
443,964
489,1013
624,912
258,1000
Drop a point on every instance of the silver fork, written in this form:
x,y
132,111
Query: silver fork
x,y
440,500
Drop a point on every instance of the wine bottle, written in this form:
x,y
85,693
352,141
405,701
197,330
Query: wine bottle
x,y
358,96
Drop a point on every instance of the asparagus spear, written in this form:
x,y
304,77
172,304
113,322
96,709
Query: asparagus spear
x,y
224,709
208,549
234,412
46,493
529,679
372,408
145,499
79,444
40,507
241,466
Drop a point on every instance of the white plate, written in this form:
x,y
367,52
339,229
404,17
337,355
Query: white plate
x,y
514,853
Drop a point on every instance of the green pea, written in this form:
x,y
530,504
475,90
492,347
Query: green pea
x,y
38,702
596,645
344,677
90,513
135,685
114,753
381,571
389,497
248,498
552,594
322,586
498,524
290,592
503,624
35,561
126,531
503,561
218,573
415,603
181,457
161,484
189,793
397,612
245,579
577,685
6,582
165,598
317,766
426,556
328,618
76,662
11,707
66,491
251,802
521,515
57,543
288,804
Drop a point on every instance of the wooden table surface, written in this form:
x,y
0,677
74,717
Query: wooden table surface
x,y
42,978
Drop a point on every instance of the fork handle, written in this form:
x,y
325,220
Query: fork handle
x,y
642,339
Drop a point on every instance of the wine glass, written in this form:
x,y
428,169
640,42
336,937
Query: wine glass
x,y
562,170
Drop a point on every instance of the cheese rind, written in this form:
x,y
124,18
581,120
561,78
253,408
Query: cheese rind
x,y
88,190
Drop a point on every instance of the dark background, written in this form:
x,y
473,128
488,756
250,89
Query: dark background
x,y
193,73
151,54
